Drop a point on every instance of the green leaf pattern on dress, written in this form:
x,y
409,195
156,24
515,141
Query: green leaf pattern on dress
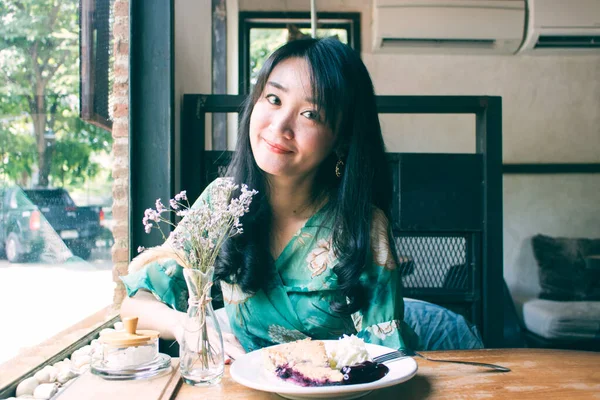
x,y
279,334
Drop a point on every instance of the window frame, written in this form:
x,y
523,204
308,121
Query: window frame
x,y
93,80
151,121
90,328
350,21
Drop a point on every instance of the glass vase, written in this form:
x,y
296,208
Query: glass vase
x,y
201,354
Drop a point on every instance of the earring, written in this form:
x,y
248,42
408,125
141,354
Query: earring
x,y
338,168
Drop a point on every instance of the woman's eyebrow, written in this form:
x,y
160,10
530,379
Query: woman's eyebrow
x,y
277,85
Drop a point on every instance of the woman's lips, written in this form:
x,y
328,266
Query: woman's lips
x,y
276,148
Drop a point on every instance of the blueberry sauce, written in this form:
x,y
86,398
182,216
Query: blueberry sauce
x,y
365,372
289,374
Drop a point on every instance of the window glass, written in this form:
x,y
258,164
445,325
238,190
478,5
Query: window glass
x,y
55,174
261,32
263,41
49,197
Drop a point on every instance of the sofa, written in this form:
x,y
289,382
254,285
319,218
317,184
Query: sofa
x,y
559,302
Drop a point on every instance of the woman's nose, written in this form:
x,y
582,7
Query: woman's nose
x,y
282,123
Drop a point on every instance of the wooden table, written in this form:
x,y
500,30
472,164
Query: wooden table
x,y
536,374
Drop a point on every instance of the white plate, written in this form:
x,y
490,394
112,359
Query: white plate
x,y
248,370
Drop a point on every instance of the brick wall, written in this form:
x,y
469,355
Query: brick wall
x,y
120,134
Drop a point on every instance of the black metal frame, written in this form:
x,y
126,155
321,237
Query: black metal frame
x,y
551,168
94,82
485,243
151,129
219,69
536,341
349,21
151,113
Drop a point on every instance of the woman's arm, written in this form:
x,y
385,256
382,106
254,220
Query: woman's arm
x,y
158,316
155,285
382,320
152,314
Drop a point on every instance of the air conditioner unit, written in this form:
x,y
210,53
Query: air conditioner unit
x,y
559,26
448,26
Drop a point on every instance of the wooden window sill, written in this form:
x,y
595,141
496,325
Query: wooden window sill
x,y
62,344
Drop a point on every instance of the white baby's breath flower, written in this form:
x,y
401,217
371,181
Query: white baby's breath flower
x,y
141,248
151,215
199,236
181,196
160,207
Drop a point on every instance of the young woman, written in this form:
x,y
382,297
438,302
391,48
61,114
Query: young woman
x,y
315,256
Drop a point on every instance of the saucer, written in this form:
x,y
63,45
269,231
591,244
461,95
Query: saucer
x,y
159,366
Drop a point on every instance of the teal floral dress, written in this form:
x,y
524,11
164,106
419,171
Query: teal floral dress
x,y
298,305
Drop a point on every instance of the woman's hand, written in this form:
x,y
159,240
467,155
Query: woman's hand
x,y
158,316
233,348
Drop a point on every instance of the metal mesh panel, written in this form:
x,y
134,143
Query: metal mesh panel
x,y
429,262
221,170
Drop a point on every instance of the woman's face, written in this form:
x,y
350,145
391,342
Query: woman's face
x,y
289,138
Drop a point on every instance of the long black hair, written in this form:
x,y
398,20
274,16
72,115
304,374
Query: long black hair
x,y
344,93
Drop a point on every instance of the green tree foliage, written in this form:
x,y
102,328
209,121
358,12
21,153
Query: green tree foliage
x,y
39,87
17,155
263,41
73,163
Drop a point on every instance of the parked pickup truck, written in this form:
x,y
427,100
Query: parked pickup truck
x,y
23,215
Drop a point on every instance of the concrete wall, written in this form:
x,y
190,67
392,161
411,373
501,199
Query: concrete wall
x,y
193,47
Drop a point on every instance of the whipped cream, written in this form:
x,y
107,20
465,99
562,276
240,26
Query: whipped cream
x,y
348,350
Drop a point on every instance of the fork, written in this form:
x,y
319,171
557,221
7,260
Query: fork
x,y
403,353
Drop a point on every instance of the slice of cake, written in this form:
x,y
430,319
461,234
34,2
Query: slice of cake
x,y
303,362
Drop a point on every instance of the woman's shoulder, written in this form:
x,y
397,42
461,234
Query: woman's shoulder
x,y
380,225
378,218
380,239
159,254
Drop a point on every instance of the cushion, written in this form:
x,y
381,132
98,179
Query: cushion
x,y
563,320
564,273
439,328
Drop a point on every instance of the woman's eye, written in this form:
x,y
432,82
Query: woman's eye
x,y
312,115
271,98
